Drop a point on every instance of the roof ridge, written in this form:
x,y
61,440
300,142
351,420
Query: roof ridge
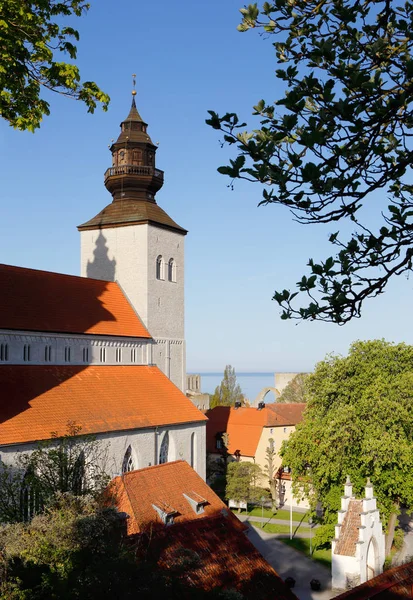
x,y
20,268
151,467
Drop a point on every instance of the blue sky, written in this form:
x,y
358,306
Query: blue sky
x,y
188,58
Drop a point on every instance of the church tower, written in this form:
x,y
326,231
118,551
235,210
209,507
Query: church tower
x,y
134,242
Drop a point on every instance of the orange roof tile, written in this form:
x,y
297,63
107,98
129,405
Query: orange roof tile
x,y
349,530
285,413
244,425
38,400
164,486
393,584
42,301
226,558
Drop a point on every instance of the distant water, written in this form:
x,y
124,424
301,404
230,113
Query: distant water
x,y
251,383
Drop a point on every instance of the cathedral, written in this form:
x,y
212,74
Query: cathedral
x,y
105,351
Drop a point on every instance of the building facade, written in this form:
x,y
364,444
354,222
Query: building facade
x,y
77,350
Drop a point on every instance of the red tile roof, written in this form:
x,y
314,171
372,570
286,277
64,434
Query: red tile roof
x,y
38,400
285,414
393,584
34,300
224,557
244,425
164,486
349,530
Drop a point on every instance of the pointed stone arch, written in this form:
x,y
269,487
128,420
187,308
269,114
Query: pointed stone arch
x,y
263,393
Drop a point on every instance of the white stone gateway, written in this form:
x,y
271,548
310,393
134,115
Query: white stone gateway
x,y
358,550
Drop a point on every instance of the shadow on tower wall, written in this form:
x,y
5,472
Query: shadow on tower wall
x,y
101,267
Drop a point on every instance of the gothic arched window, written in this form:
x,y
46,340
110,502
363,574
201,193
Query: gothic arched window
x,y
78,480
159,267
171,270
193,450
128,461
30,501
164,450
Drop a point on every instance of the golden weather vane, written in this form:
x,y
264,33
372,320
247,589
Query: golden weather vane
x,y
134,84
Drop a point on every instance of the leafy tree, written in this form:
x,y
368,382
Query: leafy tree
x,y
338,134
242,482
358,422
295,390
71,463
73,550
77,549
33,39
229,391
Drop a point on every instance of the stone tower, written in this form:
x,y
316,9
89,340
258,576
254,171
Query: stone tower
x,y
134,242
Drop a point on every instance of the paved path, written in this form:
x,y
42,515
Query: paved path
x,y
302,534
247,517
288,562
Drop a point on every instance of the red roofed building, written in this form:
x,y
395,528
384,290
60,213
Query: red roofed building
x,y
394,584
249,432
105,351
179,516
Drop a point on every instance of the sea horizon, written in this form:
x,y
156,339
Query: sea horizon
x,y
251,382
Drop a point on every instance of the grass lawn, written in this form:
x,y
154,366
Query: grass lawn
x,y
275,528
278,514
303,545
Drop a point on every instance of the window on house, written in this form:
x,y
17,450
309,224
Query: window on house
x,y
127,464
164,450
47,353
26,352
159,268
118,355
103,355
171,270
133,355
285,429
68,354
4,352
219,443
85,355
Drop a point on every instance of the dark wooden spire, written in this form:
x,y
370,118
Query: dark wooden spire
x,y
133,174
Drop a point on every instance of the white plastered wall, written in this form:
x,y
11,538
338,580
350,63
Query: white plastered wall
x,y
145,445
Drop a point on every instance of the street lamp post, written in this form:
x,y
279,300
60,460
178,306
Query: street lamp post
x,y
291,505
262,511
310,522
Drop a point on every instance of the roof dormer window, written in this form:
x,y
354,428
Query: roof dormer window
x,y
167,513
196,501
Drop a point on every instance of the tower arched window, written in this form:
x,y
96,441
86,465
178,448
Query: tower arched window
x,y
137,157
164,450
127,464
159,267
171,270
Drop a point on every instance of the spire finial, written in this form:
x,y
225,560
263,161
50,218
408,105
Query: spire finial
x,y
134,84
